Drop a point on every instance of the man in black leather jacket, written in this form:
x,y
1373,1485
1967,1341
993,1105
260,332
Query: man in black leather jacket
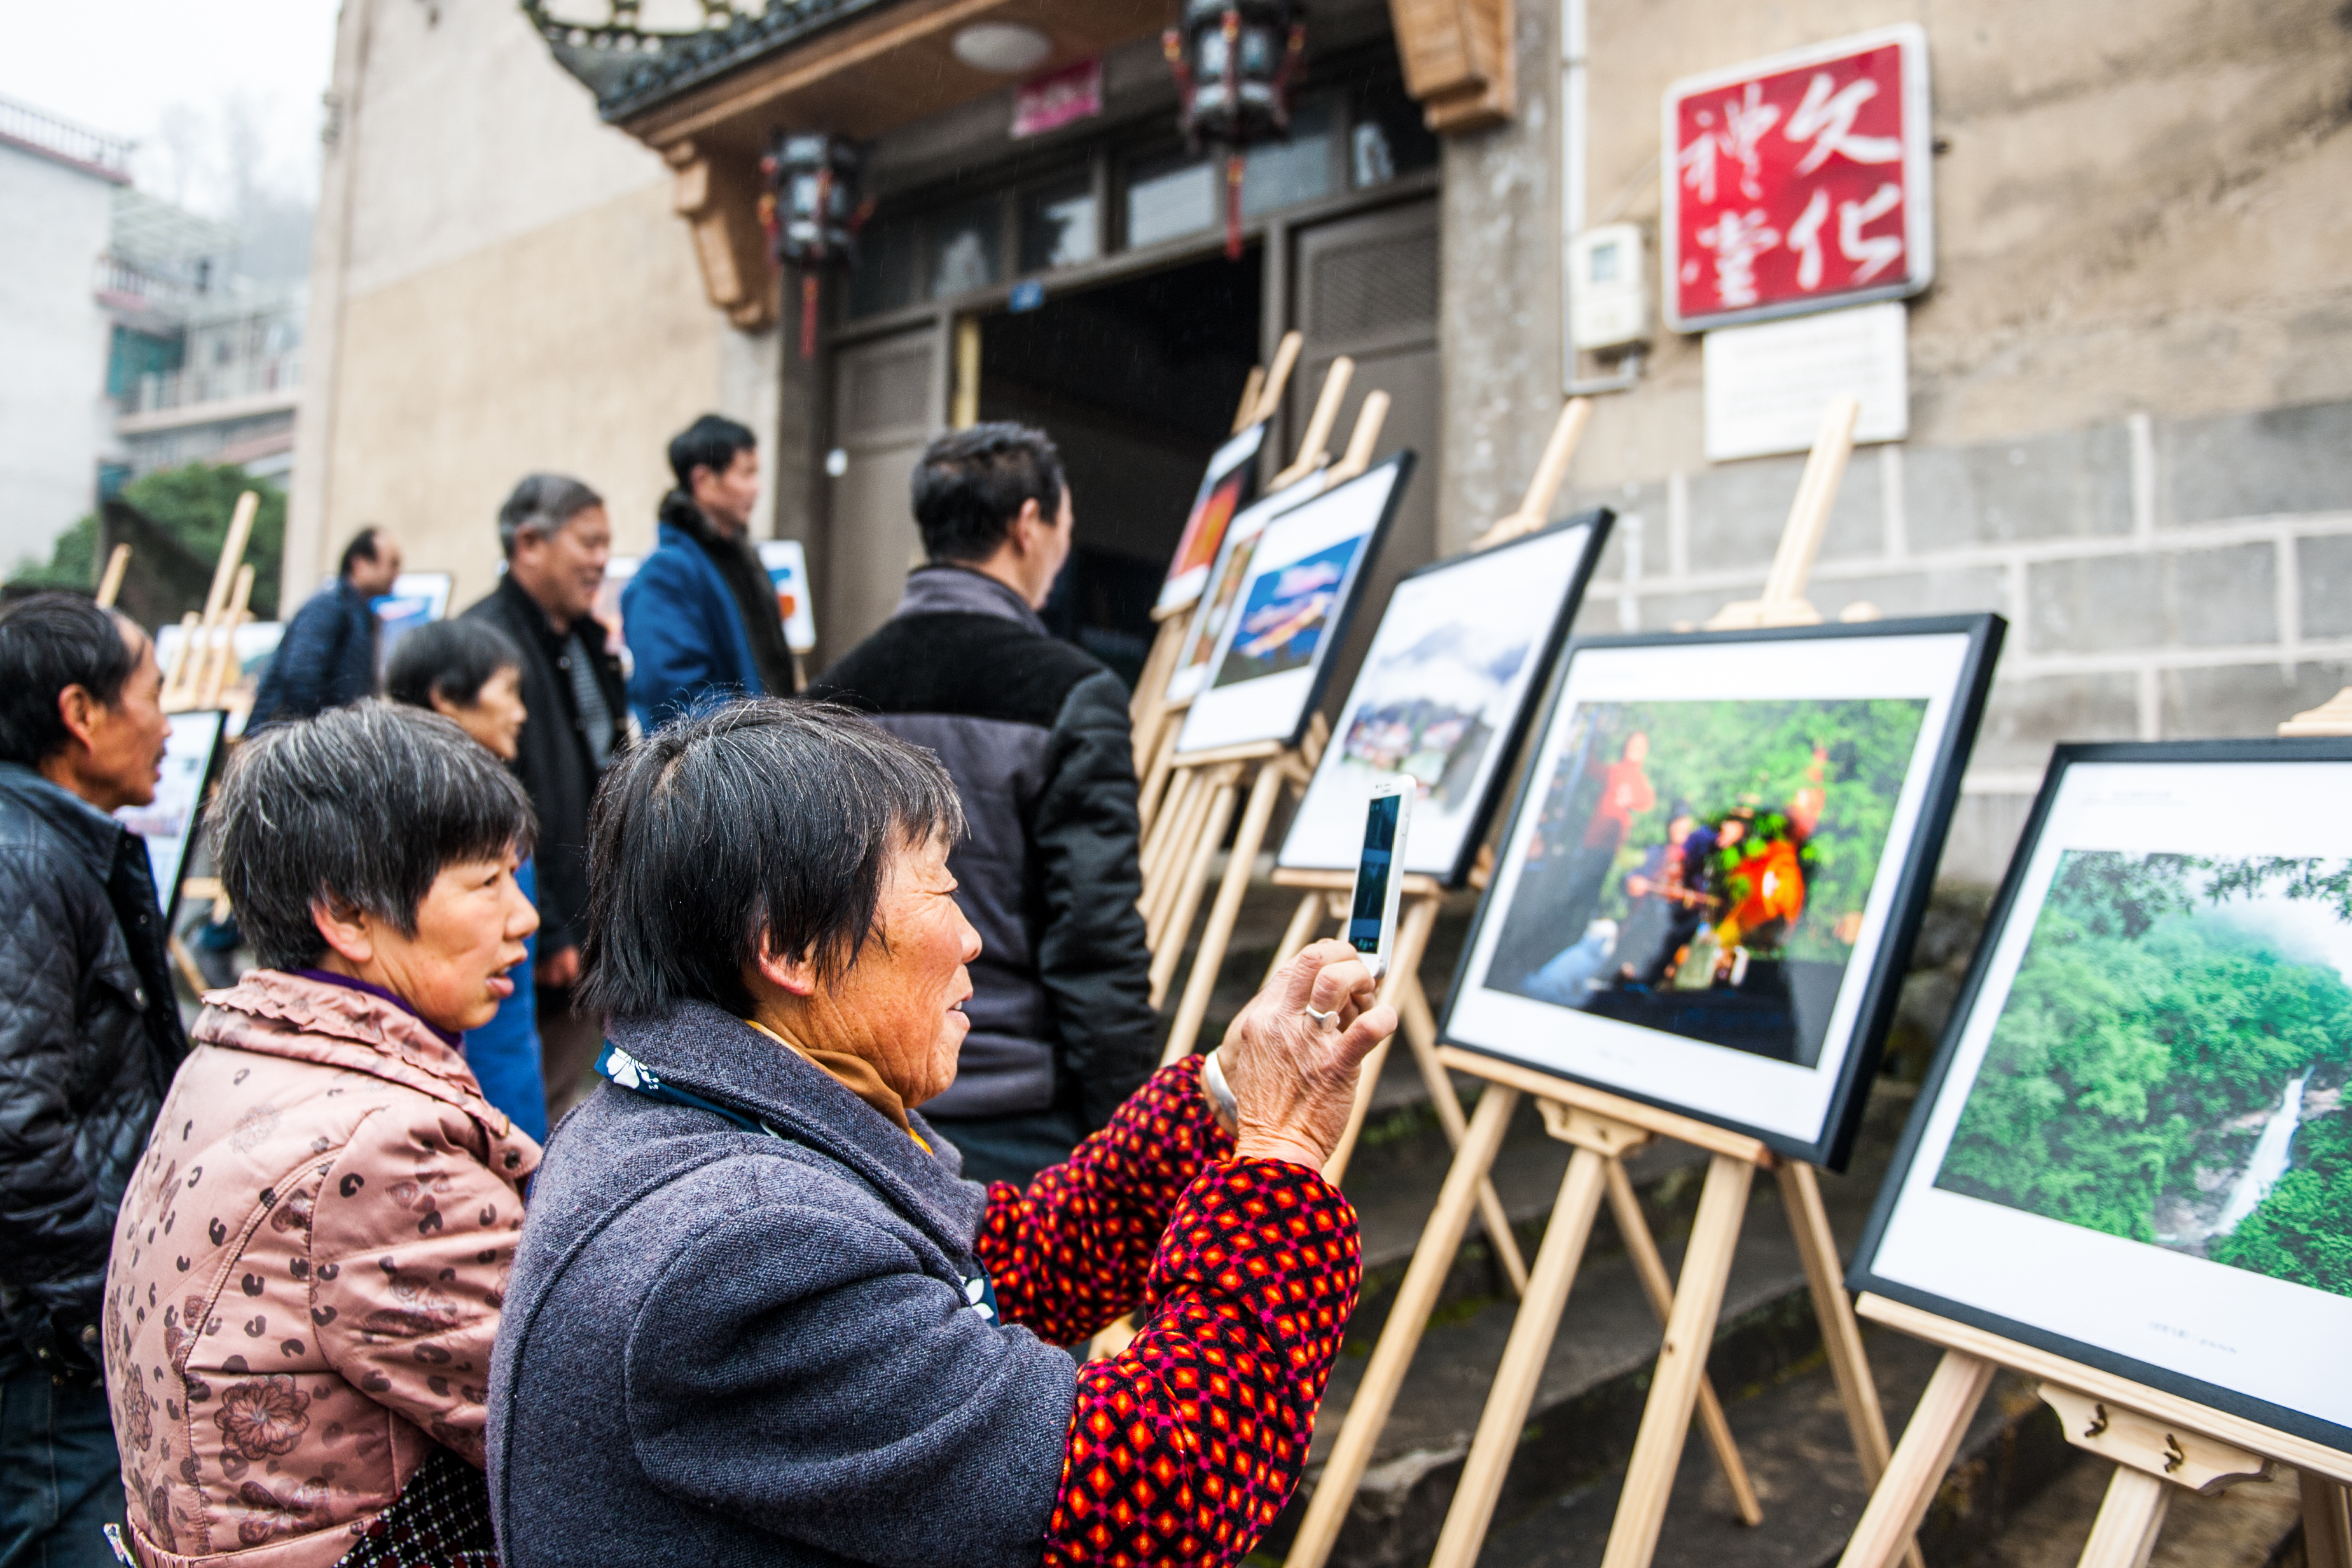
x,y
89,1037
1035,733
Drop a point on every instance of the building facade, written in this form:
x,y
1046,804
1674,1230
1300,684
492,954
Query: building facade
x,y
58,184
2130,393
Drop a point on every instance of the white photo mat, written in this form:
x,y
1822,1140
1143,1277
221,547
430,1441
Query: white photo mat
x,y
1946,664
1467,644
1339,532
2139,1309
1197,653
1188,568
169,824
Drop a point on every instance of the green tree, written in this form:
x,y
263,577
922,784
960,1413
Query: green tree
x,y
193,503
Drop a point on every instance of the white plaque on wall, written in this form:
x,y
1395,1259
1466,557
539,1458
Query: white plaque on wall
x,y
1767,385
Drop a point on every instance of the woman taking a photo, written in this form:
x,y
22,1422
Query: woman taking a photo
x,y
757,1317
306,1279
470,673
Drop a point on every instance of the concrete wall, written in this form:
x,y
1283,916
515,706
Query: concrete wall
x,y
500,286
55,419
2131,386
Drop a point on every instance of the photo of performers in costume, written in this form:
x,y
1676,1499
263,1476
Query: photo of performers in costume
x,y
1701,867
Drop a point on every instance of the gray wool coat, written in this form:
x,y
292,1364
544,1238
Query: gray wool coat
x,y
723,1347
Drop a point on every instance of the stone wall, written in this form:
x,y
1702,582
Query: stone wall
x,y
499,287
2130,427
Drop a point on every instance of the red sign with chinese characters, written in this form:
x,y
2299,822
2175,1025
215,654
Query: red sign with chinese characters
x,y
1799,183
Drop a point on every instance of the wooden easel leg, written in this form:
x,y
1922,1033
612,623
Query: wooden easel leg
x,y
1163,752
1419,1027
2327,1524
1800,1195
1901,1498
1180,845
1264,791
1532,1332
1658,1286
1682,1362
1297,934
1411,936
1441,1238
2125,1532
1184,894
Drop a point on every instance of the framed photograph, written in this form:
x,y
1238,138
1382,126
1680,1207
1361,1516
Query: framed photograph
x,y
1445,695
171,821
1293,606
416,598
2135,1147
1207,621
1717,863
787,564
1225,489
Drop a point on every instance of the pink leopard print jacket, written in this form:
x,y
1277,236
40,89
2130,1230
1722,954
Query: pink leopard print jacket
x,y
307,1278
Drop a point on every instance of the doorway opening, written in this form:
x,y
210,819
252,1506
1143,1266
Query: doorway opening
x,y
1137,383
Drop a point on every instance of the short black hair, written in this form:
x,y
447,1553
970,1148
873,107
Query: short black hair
x,y
453,658
365,545
710,442
972,483
544,502
768,817
359,809
50,641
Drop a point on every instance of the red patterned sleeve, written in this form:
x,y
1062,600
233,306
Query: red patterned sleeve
x,y
1075,1250
1184,1446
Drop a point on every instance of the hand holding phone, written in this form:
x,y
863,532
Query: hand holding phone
x,y
1372,910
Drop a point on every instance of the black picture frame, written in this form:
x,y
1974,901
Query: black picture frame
x,y
1833,1143
1342,616
1542,656
1860,1277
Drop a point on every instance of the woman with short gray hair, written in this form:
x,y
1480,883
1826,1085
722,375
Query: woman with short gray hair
x,y
306,1279
757,1317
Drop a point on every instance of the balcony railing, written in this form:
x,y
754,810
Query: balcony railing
x,y
193,386
109,155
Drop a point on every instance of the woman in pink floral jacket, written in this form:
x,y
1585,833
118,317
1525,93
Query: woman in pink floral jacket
x,y
307,1278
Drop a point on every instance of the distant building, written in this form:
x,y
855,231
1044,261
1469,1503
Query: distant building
x,y
126,341
57,184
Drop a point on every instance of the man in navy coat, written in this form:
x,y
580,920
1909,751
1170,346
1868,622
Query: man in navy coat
x,y
327,657
700,615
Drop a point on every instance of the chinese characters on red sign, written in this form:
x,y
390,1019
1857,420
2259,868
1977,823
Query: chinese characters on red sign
x,y
1799,183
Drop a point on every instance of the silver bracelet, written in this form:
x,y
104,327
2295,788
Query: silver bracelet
x,y
1221,1103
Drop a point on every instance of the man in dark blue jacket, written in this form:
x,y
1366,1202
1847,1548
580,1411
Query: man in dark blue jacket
x,y
89,1037
700,615
1035,733
327,657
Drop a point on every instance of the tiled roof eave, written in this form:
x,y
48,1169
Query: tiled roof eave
x,y
686,61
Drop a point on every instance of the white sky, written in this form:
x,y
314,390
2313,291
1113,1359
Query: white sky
x,y
118,66
2303,929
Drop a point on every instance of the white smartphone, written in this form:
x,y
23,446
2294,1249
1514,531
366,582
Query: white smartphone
x,y
1372,911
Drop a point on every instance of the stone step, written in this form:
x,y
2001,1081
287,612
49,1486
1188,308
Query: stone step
x,y
1588,1402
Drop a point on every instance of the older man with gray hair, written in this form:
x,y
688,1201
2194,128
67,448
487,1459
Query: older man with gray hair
x,y
557,540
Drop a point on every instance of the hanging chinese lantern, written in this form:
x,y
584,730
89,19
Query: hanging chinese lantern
x,y
812,213
1236,61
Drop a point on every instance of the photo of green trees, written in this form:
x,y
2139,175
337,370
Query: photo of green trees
x,y
1702,867
2169,1065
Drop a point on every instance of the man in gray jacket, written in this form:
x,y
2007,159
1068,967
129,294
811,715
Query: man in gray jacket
x,y
1035,733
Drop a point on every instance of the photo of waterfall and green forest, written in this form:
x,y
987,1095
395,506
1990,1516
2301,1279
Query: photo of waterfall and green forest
x,y
2171,1060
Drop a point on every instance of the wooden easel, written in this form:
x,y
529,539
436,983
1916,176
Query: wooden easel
x,y
1188,837
1147,712
207,650
1602,1129
1158,777
2159,1443
109,586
